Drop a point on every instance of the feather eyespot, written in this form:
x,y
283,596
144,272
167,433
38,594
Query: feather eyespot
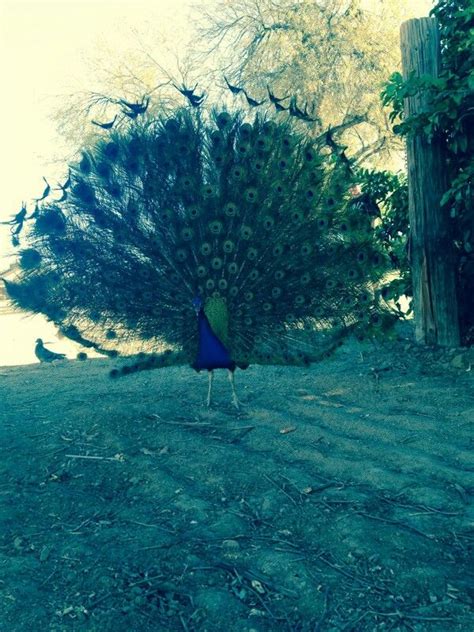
x,y
201,271
187,234
245,130
205,248
222,284
230,210
209,191
228,246
251,195
252,254
181,255
268,222
216,227
246,232
193,212
30,259
233,268
216,263
223,120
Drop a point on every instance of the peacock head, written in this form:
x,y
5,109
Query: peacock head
x,y
197,304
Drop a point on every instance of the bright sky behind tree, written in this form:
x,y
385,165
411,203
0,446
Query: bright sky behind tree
x,y
46,50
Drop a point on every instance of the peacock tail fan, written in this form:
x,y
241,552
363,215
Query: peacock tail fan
x,y
250,216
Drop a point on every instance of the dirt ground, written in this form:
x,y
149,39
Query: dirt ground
x,y
338,499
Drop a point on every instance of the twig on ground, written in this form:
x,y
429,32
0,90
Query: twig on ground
x,y
281,489
399,523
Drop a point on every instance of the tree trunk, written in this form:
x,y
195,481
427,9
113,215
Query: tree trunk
x,y
431,247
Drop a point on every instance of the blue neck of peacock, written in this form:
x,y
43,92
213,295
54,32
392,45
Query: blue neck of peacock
x,y
212,354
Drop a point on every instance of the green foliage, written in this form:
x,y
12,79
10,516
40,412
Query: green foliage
x,y
450,116
390,192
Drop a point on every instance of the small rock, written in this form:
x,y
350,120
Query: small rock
x,y
230,546
460,361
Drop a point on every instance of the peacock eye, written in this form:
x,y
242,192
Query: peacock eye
x,y
223,120
228,246
251,195
246,232
216,263
187,234
216,227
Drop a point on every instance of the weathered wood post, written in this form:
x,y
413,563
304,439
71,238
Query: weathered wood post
x,y
431,248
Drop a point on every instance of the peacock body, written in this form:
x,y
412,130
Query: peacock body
x,y
207,239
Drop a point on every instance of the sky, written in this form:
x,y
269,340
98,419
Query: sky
x,y
45,53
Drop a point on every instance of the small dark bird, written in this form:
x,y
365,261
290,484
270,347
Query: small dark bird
x,y
233,89
194,99
16,224
253,102
275,100
108,125
302,115
137,108
45,355
19,218
46,192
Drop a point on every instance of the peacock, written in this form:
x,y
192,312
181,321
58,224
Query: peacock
x,y
215,238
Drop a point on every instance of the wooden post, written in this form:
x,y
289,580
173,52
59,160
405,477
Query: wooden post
x,y
431,247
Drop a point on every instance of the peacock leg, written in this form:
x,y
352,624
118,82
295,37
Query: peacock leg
x,y
209,392
235,399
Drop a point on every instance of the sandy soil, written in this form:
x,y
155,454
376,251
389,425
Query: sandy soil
x,y
338,499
